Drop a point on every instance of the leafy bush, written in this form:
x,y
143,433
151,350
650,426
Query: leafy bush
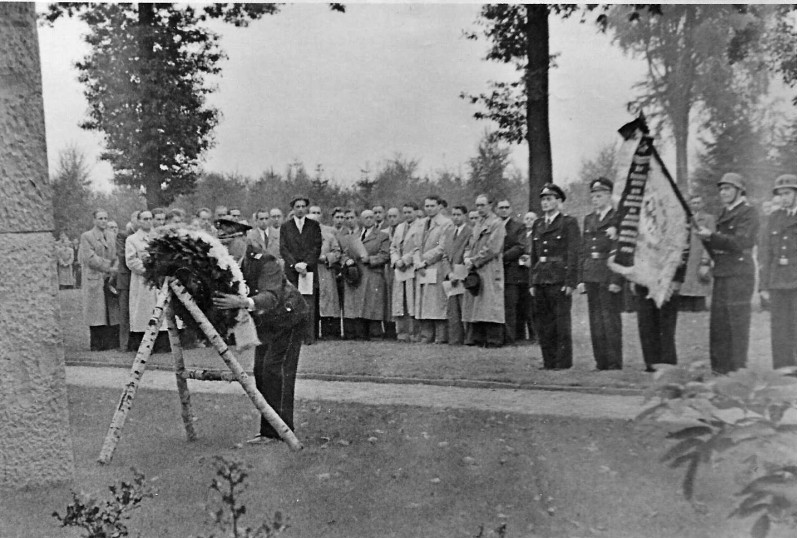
x,y
739,416
229,484
106,518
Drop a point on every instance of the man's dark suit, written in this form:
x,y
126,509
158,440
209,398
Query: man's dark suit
x,y
303,247
516,277
123,285
455,254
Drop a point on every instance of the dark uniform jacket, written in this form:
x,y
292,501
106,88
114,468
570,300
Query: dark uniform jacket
x,y
731,246
304,247
778,253
514,248
278,304
554,251
596,247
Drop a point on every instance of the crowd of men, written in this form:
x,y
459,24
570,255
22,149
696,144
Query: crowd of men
x,y
480,276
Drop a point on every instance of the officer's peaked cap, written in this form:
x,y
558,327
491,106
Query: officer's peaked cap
x,y
601,184
553,190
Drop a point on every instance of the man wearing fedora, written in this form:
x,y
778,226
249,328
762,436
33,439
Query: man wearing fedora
x,y
601,284
778,283
554,275
300,247
731,248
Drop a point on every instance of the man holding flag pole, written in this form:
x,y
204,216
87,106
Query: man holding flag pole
x,y
652,242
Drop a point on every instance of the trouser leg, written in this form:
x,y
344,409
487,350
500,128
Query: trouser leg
x,y
545,324
440,331
613,327
564,336
456,333
668,321
276,363
719,324
783,304
427,330
649,330
739,311
510,312
596,327
124,317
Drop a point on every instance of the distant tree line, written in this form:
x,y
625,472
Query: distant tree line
x,y
392,183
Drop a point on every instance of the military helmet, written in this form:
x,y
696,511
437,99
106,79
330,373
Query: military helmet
x,y
786,181
732,179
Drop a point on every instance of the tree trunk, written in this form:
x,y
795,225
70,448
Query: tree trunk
x,y
150,172
681,134
538,134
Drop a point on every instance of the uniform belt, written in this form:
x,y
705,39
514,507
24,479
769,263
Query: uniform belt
x,y
598,255
545,259
747,251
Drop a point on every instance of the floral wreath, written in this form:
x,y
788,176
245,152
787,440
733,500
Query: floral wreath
x,y
202,265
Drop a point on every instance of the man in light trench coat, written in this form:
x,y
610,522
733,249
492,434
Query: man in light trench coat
x,y
484,255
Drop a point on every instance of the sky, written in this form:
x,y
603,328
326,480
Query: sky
x,y
349,91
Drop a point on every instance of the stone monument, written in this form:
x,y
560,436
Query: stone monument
x,y
35,445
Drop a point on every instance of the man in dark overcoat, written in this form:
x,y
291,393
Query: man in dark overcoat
x,y
601,284
516,276
554,275
778,282
123,280
281,316
300,247
731,249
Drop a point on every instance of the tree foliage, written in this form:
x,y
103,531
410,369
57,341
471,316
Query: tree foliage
x,y
71,193
700,58
146,79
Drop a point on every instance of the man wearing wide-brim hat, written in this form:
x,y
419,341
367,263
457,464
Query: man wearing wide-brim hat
x,y
778,262
602,285
731,249
554,275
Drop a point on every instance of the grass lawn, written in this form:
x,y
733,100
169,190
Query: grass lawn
x,y
517,365
374,471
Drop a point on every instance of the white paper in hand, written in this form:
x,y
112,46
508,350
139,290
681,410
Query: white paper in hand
x,y
306,284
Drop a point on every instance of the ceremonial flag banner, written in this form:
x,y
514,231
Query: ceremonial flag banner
x,y
653,219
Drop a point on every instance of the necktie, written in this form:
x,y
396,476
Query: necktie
x,y
362,236
456,234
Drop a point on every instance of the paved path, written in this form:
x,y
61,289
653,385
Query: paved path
x,y
528,402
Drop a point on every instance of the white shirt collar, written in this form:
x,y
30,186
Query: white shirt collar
x,y
550,218
604,212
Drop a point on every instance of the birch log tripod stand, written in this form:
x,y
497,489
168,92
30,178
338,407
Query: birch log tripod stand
x,y
173,289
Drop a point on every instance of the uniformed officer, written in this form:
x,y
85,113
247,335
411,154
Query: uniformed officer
x,y
731,249
778,282
553,276
281,315
602,285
